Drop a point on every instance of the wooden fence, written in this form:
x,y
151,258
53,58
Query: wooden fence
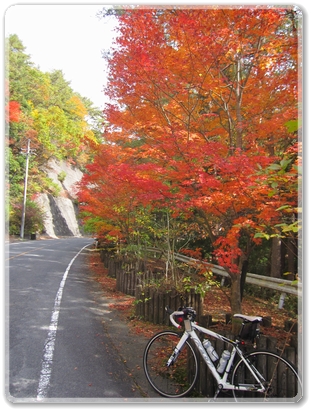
x,y
130,273
134,278
151,303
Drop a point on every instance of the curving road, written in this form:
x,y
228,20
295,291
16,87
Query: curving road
x,y
56,348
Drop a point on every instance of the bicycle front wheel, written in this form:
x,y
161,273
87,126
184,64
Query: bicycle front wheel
x,y
178,378
277,375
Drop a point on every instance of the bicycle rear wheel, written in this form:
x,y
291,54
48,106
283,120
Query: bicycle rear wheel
x,y
178,379
277,374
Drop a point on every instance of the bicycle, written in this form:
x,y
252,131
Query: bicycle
x,y
171,362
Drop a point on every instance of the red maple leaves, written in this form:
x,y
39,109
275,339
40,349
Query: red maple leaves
x,y
200,105
13,112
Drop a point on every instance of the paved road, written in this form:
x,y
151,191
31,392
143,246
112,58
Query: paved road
x,y
57,346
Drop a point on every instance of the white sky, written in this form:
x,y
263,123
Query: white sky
x,y
68,38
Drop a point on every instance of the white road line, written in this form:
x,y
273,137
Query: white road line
x,y
49,344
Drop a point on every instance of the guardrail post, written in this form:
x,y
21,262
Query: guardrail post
x,y
281,300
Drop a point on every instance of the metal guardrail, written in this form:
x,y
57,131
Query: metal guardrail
x,y
276,284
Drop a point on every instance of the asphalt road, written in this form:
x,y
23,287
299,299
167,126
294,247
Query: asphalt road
x,y
56,346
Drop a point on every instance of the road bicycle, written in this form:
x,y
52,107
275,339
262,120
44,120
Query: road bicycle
x,y
171,362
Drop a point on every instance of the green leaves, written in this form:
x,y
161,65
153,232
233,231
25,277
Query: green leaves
x,y
281,166
293,125
43,108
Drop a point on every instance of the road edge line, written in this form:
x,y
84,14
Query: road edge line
x,y
48,352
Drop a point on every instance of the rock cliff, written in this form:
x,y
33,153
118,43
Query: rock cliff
x,y
61,212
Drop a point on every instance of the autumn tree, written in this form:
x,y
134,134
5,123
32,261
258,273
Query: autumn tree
x,y
204,99
114,190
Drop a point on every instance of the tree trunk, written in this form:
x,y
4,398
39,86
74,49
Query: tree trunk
x,y
243,277
238,96
291,248
276,270
236,307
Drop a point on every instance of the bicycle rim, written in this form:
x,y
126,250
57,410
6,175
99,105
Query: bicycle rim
x,y
278,376
179,378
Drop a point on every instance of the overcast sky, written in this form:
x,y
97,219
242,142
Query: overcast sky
x,y
68,38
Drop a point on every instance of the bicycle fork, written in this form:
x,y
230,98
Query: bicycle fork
x,y
177,349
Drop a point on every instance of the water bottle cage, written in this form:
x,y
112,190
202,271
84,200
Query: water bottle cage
x,y
223,361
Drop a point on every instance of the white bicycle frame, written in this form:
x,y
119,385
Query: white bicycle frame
x,y
222,382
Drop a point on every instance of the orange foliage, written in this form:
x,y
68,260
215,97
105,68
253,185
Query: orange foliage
x,y
13,112
200,102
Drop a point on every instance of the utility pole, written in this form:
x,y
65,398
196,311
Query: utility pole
x,y
25,190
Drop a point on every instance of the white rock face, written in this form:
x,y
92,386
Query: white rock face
x,y
44,202
66,208
60,215
73,176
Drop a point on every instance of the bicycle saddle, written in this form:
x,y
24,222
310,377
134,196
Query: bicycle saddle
x,y
248,317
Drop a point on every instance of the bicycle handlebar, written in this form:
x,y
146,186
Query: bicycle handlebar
x,y
172,318
184,313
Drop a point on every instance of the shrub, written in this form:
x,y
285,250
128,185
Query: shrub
x,y
34,218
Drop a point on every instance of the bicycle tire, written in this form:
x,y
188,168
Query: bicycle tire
x,y
178,379
280,375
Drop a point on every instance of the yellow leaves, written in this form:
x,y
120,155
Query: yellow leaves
x,y
90,136
77,107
